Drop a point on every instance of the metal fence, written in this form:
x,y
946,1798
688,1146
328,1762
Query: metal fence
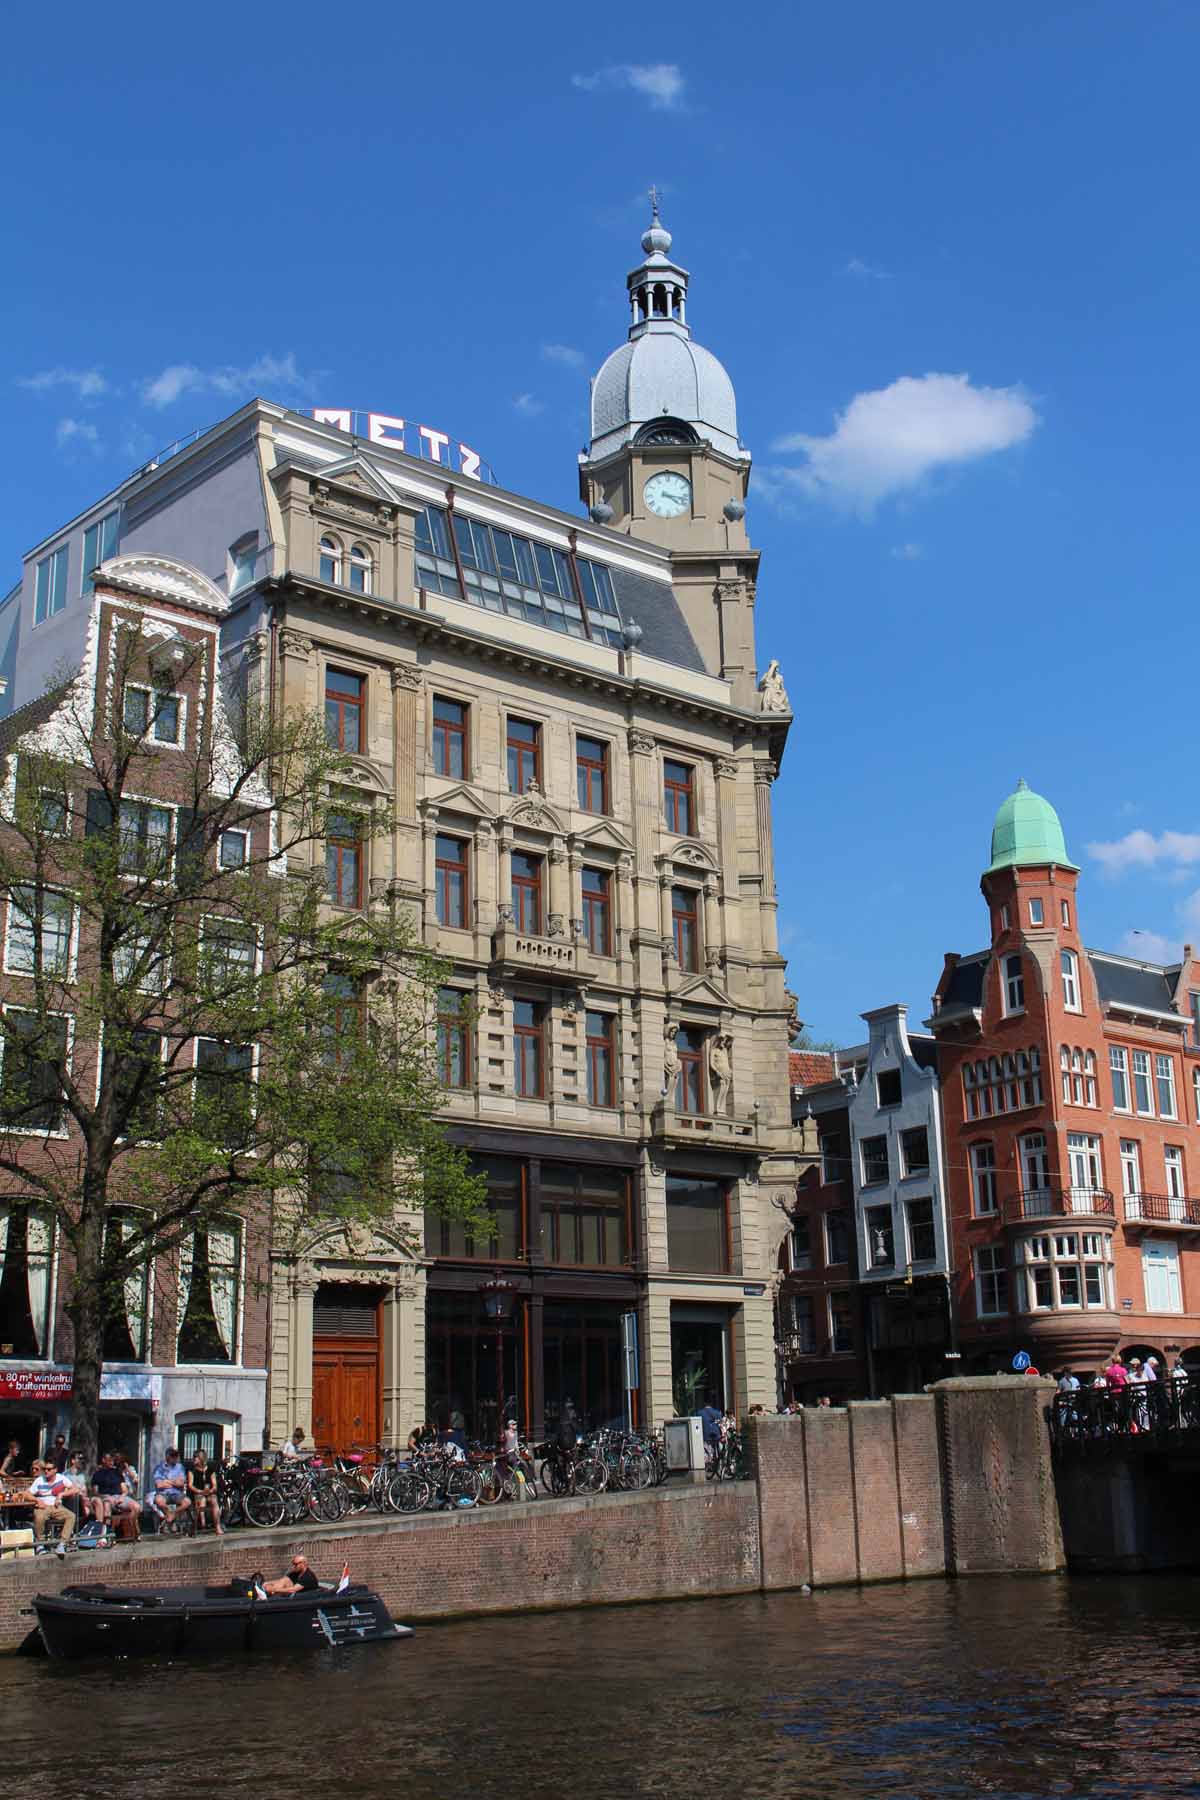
x,y
1093,1417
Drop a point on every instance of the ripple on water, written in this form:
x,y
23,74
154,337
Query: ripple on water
x,y
1013,1689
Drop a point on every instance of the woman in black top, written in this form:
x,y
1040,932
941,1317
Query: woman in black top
x,y
202,1491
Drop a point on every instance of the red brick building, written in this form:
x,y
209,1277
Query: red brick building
x,y
1071,1098
185,1356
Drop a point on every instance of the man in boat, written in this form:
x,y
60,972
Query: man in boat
x,y
298,1579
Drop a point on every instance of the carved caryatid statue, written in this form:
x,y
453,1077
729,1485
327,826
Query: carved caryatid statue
x,y
720,1069
772,695
670,1056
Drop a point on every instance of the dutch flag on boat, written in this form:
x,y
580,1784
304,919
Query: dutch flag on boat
x,y
344,1583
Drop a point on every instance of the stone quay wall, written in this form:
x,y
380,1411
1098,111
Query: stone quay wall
x,y
951,1481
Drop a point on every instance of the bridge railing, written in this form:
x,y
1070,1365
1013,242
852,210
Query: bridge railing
x,y
1093,1417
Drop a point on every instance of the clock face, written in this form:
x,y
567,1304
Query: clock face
x,y
668,494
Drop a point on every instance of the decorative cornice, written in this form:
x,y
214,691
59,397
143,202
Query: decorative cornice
x,y
161,577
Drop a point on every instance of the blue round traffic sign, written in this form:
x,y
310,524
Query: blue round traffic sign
x,y
1021,1361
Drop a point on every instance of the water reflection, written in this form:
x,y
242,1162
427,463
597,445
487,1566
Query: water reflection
x,y
1005,1688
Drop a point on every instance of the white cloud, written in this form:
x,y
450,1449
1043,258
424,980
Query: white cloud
x,y
906,552
563,354
865,271
662,84
889,440
528,405
1150,946
267,375
76,431
89,384
1142,850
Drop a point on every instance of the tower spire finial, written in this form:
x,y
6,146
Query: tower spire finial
x,y
655,197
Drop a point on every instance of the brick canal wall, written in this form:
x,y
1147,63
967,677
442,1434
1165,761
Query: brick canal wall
x,y
839,1495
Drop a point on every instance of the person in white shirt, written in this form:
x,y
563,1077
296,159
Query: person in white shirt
x,y
294,1446
47,1491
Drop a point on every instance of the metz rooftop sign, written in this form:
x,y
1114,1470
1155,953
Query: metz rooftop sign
x,y
416,440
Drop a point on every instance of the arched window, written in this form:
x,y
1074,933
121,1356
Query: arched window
x,y
331,561
360,568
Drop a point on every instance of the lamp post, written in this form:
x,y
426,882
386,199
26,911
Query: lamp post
x,y
499,1298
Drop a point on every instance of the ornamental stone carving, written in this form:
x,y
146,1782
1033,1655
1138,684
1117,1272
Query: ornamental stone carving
x,y
726,768
765,772
641,743
670,1056
772,695
294,643
720,1069
404,676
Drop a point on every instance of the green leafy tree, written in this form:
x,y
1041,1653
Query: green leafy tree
x,y
191,1032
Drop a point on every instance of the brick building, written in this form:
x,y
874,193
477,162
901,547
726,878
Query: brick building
x,y
185,1352
1071,1097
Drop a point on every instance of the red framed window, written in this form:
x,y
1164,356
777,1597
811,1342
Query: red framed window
x,y
524,743
527,893
450,743
690,1082
451,882
345,1018
597,911
454,1037
600,1037
679,797
343,860
591,773
685,927
345,706
529,1049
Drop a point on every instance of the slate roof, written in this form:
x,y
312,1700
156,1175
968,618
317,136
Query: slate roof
x,y
1146,987
665,631
966,982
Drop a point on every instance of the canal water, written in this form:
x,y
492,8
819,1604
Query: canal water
x,y
1005,1687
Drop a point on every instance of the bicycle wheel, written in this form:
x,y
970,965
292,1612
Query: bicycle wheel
x,y
328,1501
462,1483
589,1476
264,1506
637,1470
409,1492
491,1483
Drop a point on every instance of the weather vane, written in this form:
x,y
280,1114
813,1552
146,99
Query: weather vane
x,y
655,197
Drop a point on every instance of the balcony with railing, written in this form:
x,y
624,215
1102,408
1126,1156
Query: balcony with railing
x,y
673,1125
1176,1210
1060,1203
552,958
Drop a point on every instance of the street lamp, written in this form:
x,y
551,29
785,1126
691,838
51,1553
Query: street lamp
x,y
499,1298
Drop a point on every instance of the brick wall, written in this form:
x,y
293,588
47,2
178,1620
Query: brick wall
x,y
958,1480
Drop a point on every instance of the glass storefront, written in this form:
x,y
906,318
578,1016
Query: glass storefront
x,y
463,1370
581,1349
701,1373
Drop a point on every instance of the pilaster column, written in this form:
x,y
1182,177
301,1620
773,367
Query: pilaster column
x,y
556,924
646,809
665,922
575,895
295,655
764,774
300,1384
626,916
429,828
713,945
406,686
504,908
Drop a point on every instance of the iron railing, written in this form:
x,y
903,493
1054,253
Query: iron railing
x,y
1162,1209
1061,1203
1094,1417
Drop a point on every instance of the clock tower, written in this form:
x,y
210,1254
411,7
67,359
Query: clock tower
x,y
665,462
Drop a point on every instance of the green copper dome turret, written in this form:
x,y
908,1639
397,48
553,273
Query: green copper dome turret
x,y
1027,832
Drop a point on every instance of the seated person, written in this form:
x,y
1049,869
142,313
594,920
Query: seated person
x,y
108,1492
77,1496
14,1459
202,1492
294,1446
298,1579
421,1436
47,1491
169,1495
58,1456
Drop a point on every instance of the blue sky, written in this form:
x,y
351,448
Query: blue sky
x,y
948,254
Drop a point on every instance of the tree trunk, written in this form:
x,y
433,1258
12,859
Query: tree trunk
x,y
86,1312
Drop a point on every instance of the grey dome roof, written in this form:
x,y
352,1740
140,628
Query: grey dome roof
x,y
662,371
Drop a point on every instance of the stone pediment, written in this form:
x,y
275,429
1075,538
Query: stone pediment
x,y
356,1241
603,834
688,854
457,799
533,812
364,776
702,990
353,475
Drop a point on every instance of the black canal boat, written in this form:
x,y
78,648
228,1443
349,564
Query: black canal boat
x,y
206,1621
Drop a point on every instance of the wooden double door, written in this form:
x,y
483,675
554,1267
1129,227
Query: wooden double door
x,y
346,1393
